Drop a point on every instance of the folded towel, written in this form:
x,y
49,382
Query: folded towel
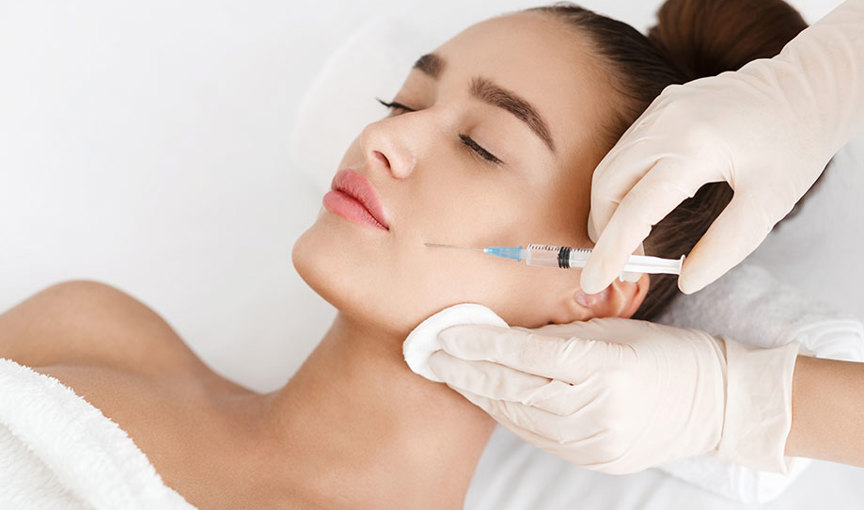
x,y
747,305
59,452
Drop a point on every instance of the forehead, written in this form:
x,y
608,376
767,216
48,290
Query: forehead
x,y
544,61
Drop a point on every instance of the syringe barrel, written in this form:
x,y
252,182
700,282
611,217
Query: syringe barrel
x,y
554,256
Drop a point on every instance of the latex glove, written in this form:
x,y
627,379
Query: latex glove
x,y
767,129
618,395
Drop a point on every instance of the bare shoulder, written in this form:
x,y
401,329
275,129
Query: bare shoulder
x,y
193,436
124,359
92,323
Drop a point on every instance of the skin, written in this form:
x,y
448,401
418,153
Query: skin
x,y
827,411
354,427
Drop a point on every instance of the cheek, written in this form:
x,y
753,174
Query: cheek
x,y
348,266
381,281
538,296
395,287
353,156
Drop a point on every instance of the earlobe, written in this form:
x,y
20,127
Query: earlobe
x,y
591,301
640,290
620,299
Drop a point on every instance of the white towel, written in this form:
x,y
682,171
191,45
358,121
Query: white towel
x,y
747,305
59,452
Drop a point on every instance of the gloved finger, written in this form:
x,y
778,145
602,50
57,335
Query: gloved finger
x,y
570,360
580,442
620,169
607,329
534,425
660,191
636,154
637,151
736,233
594,328
498,382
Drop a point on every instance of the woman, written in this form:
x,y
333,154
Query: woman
x,y
491,140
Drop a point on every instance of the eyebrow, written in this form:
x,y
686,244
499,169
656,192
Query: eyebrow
x,y
431,64
487,91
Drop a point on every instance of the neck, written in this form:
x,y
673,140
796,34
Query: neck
x,y
359,426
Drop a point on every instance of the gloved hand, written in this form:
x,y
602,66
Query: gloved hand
x,y
618,395
767,129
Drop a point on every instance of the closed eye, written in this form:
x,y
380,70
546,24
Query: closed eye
x,y
483,153
469,142
395,106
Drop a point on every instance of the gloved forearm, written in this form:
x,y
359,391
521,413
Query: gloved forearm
x,y
758,408
821,74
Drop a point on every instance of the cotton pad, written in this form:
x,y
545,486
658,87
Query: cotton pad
x,y
423,340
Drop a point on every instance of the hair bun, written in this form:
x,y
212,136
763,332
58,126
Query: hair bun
x,y
706,37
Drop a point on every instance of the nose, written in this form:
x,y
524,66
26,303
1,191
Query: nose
x,y
387,146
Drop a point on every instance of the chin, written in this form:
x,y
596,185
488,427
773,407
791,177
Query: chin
x,y
344,287
381,293
312,266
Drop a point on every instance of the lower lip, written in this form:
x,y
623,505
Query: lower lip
x,y
345,206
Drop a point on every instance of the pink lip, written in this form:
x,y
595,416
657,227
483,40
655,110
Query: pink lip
x,y
353,197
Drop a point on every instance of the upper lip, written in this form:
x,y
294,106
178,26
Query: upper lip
x,y
358,187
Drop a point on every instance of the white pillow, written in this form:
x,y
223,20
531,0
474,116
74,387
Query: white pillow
x,y
372,62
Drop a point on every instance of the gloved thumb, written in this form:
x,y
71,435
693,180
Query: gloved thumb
x,y
553,357
737,232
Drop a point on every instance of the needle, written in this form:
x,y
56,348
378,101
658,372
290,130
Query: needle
x,y
449,246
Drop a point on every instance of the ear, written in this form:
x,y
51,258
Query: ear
x,y
620,299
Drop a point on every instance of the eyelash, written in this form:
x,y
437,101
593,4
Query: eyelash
x,y
469,142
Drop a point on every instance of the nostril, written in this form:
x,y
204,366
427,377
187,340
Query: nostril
x,y
382,157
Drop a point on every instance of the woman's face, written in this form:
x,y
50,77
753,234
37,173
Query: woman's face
x,y
435,187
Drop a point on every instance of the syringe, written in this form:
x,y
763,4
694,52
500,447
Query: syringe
x,y
565,257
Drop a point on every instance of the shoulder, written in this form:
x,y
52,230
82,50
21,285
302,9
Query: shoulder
x,y
90,322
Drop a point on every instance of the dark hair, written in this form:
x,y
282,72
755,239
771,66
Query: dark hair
x,y
692,39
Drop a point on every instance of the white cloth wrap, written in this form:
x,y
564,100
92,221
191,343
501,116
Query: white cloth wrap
x,y
59,452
